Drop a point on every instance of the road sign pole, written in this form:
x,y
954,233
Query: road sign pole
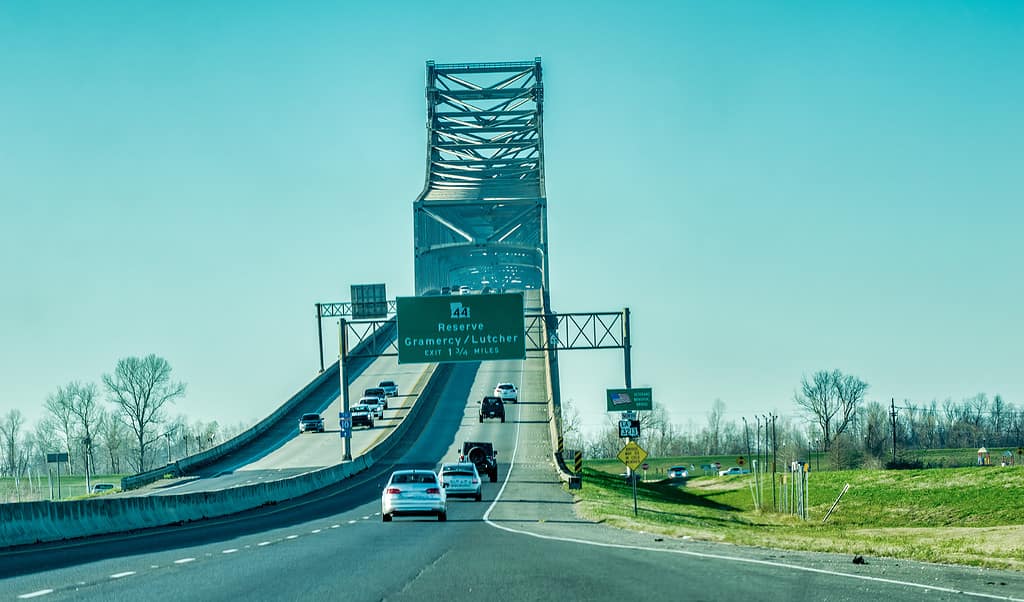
x,y
635,510
320,334
347,455
626,348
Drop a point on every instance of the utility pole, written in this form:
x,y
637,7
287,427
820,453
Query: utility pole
x,y
892,406
775,457
746,437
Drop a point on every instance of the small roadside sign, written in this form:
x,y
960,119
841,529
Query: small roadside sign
x,y
629,399
645,466
632,455
740,461
629,428
345,419
58,457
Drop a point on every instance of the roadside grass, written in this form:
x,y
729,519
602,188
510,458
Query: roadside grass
x,y
970,516
71,487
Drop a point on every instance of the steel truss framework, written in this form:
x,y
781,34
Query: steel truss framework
x,y
600,330
481,219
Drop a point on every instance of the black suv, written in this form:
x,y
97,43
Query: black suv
x,y
492,407
482,454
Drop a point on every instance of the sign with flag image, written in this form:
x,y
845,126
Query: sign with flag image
x,y
620,400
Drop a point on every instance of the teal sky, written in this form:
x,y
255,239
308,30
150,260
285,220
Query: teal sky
x,y
771,188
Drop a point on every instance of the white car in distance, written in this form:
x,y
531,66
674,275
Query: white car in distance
x,y
374,404
507,392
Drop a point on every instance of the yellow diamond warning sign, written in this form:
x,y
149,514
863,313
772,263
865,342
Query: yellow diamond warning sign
x,y
632,455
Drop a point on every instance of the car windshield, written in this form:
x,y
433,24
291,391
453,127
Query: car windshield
x,y
459,472
418,477
387,383
310,416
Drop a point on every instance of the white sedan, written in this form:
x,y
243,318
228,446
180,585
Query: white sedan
x,y
461,480
413,493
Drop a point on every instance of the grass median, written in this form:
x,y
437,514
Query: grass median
x,y
970,516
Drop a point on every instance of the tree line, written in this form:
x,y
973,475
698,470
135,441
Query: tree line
x,y
121,425
832,417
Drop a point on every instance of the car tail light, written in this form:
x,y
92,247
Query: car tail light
x,y
433,490
475,481
462,458
393,490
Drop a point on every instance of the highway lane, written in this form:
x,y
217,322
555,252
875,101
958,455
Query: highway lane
x,y
489,550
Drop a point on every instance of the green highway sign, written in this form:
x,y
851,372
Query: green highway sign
x,y
621,400
460,328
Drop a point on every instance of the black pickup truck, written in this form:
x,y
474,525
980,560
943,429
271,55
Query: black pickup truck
x,y
483,454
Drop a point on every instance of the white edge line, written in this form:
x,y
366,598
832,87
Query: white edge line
x,y
124,574
508,474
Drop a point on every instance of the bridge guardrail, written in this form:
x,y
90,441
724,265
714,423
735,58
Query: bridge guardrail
x,y
554,398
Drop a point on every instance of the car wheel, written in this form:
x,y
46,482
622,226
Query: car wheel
x,y
442,516
494,475
503,419
371,424
386,517
479,497
481,418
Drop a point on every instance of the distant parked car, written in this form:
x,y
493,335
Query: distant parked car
x,y
102,487
678,472
311,422
733,470
390,388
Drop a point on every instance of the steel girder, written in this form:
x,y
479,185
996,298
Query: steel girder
x,y
481,219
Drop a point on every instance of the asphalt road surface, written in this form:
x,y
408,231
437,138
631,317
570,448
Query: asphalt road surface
x,y
523,542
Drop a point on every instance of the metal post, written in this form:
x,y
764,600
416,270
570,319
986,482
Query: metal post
x,y
320,334
58,480
347,455
626,348
633,478
893,406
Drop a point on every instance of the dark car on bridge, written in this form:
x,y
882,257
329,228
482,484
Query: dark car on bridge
x,y
492,407
483,454
311,422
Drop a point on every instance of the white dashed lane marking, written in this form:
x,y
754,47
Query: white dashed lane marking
x,y
183,560
41,592
230,551
292,537
335,526
263,543
366,518
315,531
124,574
352,522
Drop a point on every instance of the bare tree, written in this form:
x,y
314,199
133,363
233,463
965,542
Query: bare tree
x,y
60,405
831,398
113,435
140,387
85,407
715,425
10,435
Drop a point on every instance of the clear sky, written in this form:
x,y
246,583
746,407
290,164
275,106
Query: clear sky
x,y
772,189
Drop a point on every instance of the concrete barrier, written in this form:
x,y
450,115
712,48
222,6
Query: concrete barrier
x,y
36,522
554,395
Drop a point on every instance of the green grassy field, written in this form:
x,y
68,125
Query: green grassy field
x,y
970,516
37,489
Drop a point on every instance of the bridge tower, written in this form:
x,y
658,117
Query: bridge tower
x,y
481,220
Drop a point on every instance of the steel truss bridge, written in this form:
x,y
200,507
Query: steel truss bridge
x,y
481,220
